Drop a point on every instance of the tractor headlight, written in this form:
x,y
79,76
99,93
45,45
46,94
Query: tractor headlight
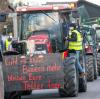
x,y
99,44
86,46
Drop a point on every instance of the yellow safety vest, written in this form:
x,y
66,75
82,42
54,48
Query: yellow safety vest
x,y
76,45
7,43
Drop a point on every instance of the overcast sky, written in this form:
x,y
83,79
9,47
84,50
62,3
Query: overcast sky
x,y
95,1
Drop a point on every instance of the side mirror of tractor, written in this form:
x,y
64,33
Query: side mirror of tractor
x,y
19,47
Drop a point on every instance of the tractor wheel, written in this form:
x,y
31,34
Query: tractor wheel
x,y
98,63
95,68
71,78
90,68
82,84
82,81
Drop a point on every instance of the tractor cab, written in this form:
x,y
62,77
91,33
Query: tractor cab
x,y
89,39
46,26
98,38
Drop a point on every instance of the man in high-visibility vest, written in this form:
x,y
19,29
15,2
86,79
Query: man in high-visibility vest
x,y
75,43
8,42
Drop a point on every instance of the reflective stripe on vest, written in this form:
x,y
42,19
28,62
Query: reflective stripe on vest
x,y
7,44
77,45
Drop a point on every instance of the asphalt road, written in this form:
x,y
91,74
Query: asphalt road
x,y
93,92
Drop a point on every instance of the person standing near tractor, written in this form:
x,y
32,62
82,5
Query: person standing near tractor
x,y
8,42
75,43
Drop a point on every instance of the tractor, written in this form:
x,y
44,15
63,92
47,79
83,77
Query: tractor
x,y
41,32
91,52
97,29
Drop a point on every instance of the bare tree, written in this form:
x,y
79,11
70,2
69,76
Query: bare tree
x,y
4,6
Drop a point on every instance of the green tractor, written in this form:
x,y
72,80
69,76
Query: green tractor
x,y
91,52
98,48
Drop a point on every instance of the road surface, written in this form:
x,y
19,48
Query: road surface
x,y
93,92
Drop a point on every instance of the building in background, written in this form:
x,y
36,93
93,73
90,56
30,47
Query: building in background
x,y
16,3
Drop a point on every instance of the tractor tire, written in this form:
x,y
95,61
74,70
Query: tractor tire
x,y
89,68
98,63
83,84
83,80
95,68
70,79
